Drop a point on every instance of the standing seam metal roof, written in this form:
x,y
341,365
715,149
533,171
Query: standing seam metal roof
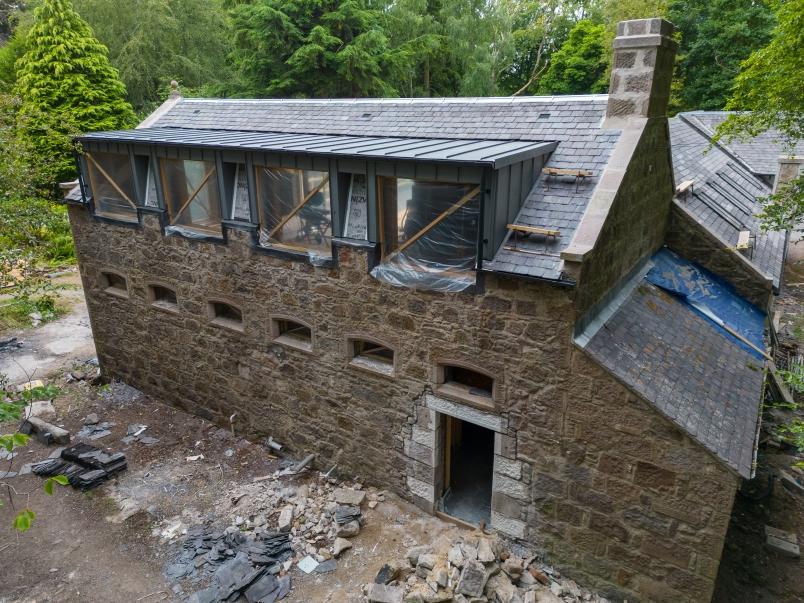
x,y
494,153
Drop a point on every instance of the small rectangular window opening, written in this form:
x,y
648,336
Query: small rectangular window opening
x,y
115,284
226,315
294,330
163,297
371,355
292,333
475,384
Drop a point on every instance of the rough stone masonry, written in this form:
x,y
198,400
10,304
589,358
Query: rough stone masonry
x,y
611,491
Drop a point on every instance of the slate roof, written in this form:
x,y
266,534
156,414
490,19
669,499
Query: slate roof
x,y
572,121
724,196
760,154
686,366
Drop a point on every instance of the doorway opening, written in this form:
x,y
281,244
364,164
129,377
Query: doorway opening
x,y
468,469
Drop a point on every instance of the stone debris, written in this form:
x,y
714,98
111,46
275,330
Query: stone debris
x,y
479,568
91,419
95,431
85,466
134,433
9,343
784,543
791,483
45,432
310,514
40,408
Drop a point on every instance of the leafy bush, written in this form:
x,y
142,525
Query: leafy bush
x,y
37,226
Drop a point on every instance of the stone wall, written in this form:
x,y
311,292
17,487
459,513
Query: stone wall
x,y
595,477
635,224
687,237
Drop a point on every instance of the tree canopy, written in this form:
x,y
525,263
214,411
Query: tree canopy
x,y
716,36
581,64
769,92
66,84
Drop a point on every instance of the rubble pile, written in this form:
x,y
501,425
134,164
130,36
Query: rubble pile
x,y
314,514
85,466
478,568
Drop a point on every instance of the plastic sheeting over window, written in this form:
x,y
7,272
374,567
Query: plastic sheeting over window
x,y
428,234
710,296
294,208
112,183
192,197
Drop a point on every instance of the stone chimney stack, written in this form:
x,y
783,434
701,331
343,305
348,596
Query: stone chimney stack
x,y
790,167
642,69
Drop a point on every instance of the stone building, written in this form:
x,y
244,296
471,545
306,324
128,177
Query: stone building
x,y
477,303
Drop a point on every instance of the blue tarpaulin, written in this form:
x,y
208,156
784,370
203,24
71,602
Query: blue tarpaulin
x,y
710,296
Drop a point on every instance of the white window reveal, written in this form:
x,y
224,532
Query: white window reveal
x,y
357,208
240,203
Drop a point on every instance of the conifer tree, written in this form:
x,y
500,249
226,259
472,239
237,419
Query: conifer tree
x,y
66,84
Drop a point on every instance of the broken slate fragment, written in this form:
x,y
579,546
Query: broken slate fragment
x,y
261,588
330,565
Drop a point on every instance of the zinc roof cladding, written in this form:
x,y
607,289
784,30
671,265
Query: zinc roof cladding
x,y
494,153
572,121
760,154
688,368
724,197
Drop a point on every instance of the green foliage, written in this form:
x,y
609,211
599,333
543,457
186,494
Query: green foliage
x,y
67,85
793,433
23,520
44,392
152,42
311,48
30,291
769,91
716,36
36,226
794,378
11,441
50,482
580,65
784,209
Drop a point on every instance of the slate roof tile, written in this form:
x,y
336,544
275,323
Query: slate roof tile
x,y
725,195
687,368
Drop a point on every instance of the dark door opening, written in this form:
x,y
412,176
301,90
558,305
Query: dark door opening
x,y
468,468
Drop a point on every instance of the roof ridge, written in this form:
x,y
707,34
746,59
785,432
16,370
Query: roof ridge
x,y
406,100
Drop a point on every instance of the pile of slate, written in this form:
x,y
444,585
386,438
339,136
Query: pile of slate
x,y
239,576
85,466
237,562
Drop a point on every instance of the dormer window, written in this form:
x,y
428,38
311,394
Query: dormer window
x,y
192,196
112,182
294,208
428,233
